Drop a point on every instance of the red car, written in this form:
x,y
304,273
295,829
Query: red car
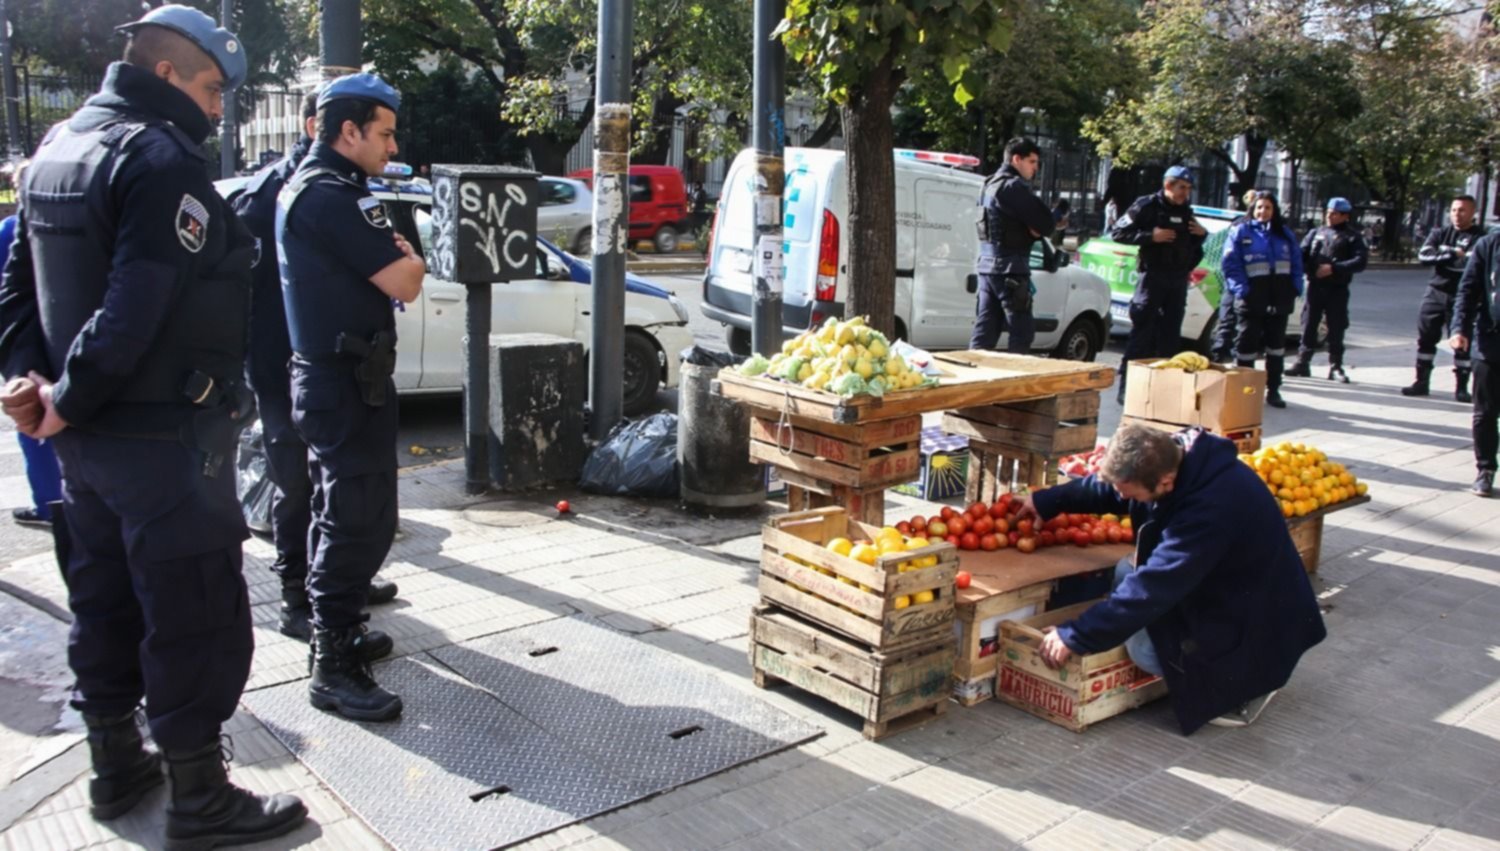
x,y
658,203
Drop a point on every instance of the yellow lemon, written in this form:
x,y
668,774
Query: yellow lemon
x,y
1361,488
892,545
842,546
923,597
889,532
902,602
864,553
926,561
917,543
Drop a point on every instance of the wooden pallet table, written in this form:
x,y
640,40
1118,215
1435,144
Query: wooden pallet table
x,y
1307,531
1018,444
826,464
890,691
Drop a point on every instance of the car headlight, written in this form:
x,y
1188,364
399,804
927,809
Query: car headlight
x,y
682,314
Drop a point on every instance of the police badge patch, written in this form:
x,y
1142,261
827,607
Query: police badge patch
x,y
374,212
192,224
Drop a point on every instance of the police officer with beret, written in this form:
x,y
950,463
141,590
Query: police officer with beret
x,y
270,349
125,303
1012,218
1446,251
1170,245
1333,255
342,264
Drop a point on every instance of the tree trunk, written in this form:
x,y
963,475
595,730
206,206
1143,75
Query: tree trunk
x,y
1255,151
826,129
549,153
871,230
1296,195
659,134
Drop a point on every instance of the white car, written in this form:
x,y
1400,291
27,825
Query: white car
x,y
936,245
565,215
430,330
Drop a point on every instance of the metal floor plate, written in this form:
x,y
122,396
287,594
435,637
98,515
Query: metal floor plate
x,y
508,745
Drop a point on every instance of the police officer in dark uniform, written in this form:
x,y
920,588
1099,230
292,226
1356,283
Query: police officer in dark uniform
x,y
1226,330
126,304
1476,328
1446,251
341,266
1012,218
1333,255
266,367
1170,244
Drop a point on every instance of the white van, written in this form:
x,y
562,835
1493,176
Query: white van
x,y
936,244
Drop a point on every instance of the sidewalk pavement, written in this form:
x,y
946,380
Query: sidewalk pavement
x,y
1388,735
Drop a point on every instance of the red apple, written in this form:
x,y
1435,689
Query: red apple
x,y
989,543
1047,539
968,541
937,528
1026,545
982,525
952,539
959,524
962,579
948,512
904,528
918,523
1081,538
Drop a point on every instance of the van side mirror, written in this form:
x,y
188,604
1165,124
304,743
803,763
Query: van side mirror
x,y
971,283
1063,258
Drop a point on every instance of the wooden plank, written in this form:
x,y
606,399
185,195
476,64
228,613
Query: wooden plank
x,y
1063,438
884,468
871,435
1064,406
815,648
876,731
1313,516
780,666
825,613
1308,539
1002,571
808,442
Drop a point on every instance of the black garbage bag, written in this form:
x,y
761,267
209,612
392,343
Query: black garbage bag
x,y
637,459
699,356
253,479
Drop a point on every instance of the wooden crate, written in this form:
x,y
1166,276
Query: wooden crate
x,y
1246,438
1307,531
891,691
972,662
994,470
1084,691
850,597
1057,425
827,464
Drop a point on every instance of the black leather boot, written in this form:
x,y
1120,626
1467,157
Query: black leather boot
x,y
1275,366
207,811
1461,386
124,771
381,591
1302,368
296,612
1420,386
341,679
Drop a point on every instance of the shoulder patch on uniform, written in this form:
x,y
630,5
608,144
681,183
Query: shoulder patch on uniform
x,y
374,212
192,224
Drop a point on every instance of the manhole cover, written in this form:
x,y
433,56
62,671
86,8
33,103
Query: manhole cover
x,y
506,512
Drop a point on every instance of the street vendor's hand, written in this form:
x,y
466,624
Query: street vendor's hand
x,y
1028,511
21,400
1054,652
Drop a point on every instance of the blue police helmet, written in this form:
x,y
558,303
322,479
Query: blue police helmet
x,y
1340,205
1179,172
362,86
193,25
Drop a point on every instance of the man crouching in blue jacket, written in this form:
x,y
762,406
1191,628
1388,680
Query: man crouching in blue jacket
x,y
1218,603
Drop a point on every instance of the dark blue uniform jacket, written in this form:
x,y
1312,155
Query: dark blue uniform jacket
x,y
1218,583
1016,212
1474,314
270,344
1149,212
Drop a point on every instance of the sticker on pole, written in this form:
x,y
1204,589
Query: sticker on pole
x,y
768,266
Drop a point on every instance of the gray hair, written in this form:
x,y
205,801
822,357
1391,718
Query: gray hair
x,y
1140,455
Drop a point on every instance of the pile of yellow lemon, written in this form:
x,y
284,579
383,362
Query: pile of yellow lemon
x,y
888,540
1302,478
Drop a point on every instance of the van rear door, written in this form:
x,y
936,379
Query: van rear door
x,y
943,220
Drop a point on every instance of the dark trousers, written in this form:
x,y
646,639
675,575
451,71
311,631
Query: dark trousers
x,y
1325,300
151,557
1226,330
1486,415
1434,318
1004,303
286,465
353,469
1262,316
1156,312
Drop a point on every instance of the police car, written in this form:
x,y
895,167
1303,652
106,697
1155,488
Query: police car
x,y
430,330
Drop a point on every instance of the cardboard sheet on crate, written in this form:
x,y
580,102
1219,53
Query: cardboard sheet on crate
x,y
968,379
1003,571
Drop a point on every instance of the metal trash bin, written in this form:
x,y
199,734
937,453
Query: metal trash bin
x,y
713,441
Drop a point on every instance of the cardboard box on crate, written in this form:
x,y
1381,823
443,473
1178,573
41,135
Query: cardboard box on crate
x,y
1221,398
945,466
1246,439
1084,691
862,601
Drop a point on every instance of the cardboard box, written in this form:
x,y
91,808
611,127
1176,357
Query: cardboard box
x,y
945,466
1220,398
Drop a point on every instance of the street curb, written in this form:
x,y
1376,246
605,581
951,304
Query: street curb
x,y
671,267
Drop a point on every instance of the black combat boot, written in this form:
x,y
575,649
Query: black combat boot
x,y
1336,373
1461,386
207,811
381,591
296,612
1302,368
1424,377
124,771
1275,366
341,679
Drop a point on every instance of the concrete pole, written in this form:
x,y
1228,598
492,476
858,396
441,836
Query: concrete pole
x,y
339,38
611,216
12,91
229,132
770,146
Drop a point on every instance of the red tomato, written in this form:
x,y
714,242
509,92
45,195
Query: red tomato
x,y
1127,536
1002,526
1113,533
968,541
997,510
1047,538
563,507
989,542
962,580
983,525
1079,519
1025,527
1086,527
937,528
1013,537
1013,508
952,539
948,512
918,523
1001,542
904,528
1099,536
977,509
1081,538
959,524
1026,545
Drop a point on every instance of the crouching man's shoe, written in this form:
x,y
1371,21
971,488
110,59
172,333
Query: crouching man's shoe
x,y
1246,714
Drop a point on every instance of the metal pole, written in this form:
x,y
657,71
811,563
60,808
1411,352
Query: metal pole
x,y
770,145
339,38
229,133
477,325
12,95
611,211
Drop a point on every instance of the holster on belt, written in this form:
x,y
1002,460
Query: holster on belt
x,y
1017,292
376,363
222,412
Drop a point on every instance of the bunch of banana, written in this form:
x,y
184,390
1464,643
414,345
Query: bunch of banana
x,y
1185,361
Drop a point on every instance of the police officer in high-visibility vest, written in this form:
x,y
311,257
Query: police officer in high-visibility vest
x,y
1332,255
342,265
125,302
1011,218
1263,272
270,349
1446,251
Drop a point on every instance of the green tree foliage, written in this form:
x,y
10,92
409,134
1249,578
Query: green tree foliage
x,y
859,55
1308,96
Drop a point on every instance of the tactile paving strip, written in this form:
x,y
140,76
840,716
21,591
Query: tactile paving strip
x,y
567,734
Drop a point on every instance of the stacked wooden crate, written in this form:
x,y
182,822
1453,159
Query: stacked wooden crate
x,y
1015,445
828,464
